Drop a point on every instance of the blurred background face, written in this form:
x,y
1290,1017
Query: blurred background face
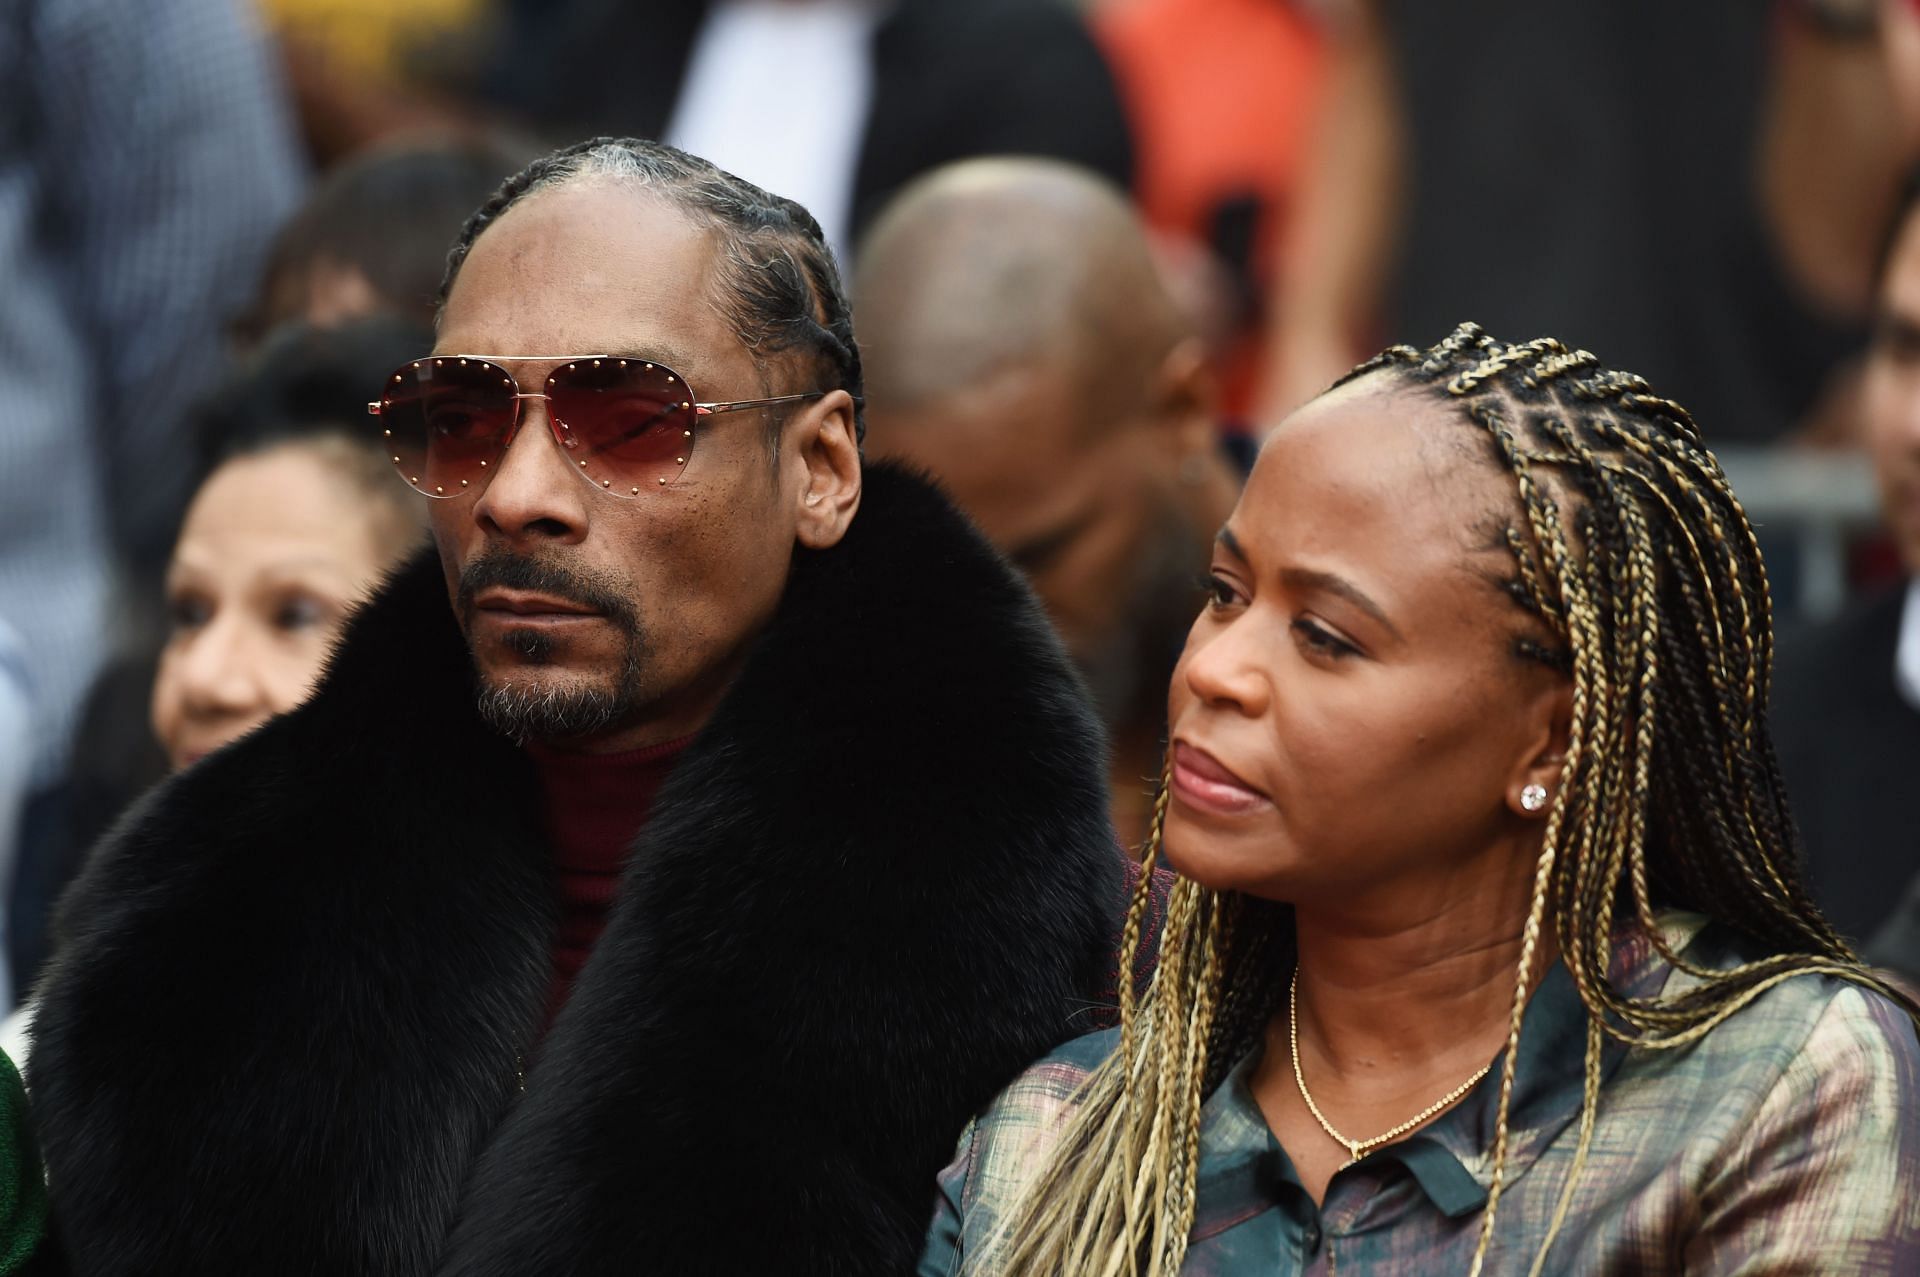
x,y
1892,393
1347,716
1024,350
372,235
323,293
1900,37
276,548
591,617
1089,513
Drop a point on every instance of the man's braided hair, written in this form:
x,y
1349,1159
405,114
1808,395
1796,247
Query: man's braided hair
x,y
1632,552
776,280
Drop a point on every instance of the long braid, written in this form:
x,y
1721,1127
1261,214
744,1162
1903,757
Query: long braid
x,y
1119,1199
1588,688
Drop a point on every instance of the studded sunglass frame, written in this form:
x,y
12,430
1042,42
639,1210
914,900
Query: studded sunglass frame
x,y
625,425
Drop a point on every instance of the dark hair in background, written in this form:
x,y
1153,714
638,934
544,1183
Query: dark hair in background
x,y
389,214
304,385
780,286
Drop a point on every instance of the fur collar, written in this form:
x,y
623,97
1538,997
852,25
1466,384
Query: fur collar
x,y
300,983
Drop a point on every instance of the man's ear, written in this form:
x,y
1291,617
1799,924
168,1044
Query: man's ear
x,y
1539,774
829,452
1184,395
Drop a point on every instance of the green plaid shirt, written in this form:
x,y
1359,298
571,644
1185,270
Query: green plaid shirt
x,y
1785,1142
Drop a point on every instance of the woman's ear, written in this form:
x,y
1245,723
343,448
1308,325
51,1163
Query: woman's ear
x,y
1538,778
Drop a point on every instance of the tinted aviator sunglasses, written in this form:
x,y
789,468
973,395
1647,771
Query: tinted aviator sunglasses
x,y
627,425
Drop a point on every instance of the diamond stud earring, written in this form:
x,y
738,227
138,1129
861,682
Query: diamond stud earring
x,y
1533,797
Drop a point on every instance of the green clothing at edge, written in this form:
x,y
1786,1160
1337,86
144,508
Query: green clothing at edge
x,y
23,1188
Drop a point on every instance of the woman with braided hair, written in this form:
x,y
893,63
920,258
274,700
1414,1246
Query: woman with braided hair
x,y
1489,950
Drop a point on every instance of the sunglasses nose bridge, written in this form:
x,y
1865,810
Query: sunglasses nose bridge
x,y
558,430
520,414
555,427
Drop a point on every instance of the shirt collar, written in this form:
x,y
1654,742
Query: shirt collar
x,y
1906,651
1242,1166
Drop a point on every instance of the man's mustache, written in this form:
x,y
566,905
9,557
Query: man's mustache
x,y
502,569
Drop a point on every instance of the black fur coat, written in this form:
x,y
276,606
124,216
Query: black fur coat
x,y
298,987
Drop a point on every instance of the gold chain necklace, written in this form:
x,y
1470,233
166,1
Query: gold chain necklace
x,y
1357,1148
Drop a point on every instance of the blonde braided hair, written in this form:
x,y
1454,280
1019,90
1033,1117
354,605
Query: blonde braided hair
x,y
1635,555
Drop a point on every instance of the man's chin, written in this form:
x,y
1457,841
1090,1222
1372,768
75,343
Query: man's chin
x,y
549,703
551,679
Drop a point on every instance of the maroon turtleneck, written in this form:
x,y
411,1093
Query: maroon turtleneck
x,y
595,805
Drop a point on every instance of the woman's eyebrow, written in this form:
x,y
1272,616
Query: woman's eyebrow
x,y
1312,579
1309,579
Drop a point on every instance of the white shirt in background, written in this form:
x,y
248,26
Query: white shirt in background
x,y
17,751
1906,651
777,91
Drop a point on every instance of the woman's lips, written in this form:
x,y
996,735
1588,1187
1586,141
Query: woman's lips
x,y
1202,781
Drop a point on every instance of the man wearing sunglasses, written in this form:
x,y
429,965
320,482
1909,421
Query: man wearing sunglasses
x,y
669,863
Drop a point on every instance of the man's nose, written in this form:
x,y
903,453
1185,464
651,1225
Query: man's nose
x,y
531,495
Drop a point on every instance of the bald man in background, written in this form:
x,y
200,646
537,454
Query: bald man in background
x,y
1019,344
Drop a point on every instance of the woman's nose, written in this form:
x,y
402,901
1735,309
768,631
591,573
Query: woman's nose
x,y
219,671
1228,667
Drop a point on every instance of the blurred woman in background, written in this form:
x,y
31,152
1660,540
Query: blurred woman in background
x,y
296,516
1490,950
297,519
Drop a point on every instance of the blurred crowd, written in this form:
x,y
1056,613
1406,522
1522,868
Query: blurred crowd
x,y
1095,251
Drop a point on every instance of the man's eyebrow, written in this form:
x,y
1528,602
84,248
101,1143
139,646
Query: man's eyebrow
x,y
1310,579
1892,325
1225,537
678,360
1037,551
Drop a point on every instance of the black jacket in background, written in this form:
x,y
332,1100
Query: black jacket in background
x,y
294,1025
1590,169
1897,945
1850,747
952,79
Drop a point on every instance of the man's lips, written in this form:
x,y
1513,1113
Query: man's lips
x,y
521,603
1202,781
